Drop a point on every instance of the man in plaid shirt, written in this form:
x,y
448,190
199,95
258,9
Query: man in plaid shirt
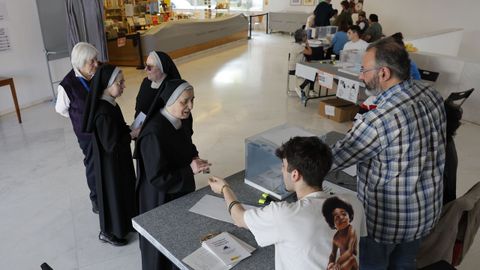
x,y
399,149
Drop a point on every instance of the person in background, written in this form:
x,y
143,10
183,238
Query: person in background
x,y
362,22
399,150
297,54
355,42
310,23
160,68
323,12
167,159
114,172
414,72
339,39
72,93
374,30
301,236
345,15
334,16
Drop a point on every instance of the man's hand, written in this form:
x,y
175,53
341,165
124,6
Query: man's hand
x,y
216,184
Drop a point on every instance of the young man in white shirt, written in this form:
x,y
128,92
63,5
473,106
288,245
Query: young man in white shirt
x,y
302,231
355,43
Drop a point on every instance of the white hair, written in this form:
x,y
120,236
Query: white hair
x,y
82,52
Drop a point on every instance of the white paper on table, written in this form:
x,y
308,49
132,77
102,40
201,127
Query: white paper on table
x,y
348,89
329,110
325,79
202,259
214,207
138,121
352,170
305,71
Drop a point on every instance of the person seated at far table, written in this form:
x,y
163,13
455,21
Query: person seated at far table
x,y
414,72
298,52
362,22
374,31
339,40
301,235
355,43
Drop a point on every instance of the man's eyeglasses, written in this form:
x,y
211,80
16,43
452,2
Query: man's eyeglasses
x,y
149,67
363,70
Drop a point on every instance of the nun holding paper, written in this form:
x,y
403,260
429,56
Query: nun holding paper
x,y
167,159
114,173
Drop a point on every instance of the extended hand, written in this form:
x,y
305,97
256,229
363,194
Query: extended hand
x,y
199,165
216,183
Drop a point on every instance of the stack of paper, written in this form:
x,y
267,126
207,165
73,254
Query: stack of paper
x,y
222,252
225,248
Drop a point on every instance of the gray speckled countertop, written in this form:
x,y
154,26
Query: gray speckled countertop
x,y
176,232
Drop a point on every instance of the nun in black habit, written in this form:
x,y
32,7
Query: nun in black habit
x,y
160,68
112,155
167,159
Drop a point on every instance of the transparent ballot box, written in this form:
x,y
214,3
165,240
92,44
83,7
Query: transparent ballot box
x,y
263,169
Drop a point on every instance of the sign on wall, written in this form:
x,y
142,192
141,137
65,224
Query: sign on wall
x,y
4,40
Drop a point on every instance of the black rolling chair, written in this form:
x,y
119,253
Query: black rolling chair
x,y
428,75
454,114
458,98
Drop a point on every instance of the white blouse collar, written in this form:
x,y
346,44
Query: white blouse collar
x,y
109,99
177,123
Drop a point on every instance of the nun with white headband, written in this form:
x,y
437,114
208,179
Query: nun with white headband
x,y
112,155
160,68
167,159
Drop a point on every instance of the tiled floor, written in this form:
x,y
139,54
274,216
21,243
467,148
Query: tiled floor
x,y
45,213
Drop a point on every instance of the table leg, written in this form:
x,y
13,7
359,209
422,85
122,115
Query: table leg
x,y
250,28
15,101
266,26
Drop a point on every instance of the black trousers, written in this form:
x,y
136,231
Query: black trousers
x,y
87,148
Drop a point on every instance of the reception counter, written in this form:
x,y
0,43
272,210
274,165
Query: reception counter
x,y
180,38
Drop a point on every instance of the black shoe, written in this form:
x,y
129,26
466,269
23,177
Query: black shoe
x,y
111,239
94,207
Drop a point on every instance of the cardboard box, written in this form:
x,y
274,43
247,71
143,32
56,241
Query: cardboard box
x,y
337,109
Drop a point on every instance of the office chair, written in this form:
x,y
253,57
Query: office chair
x,y
458,98
454,233
45,266
428,75
454,114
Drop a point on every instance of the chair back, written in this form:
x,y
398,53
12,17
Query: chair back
x,y
458,98
428,75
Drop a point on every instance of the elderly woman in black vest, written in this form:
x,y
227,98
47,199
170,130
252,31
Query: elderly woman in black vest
x,y
72,93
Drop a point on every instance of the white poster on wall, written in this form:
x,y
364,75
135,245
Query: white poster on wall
x,y
3,11
348,89
325,79
4,40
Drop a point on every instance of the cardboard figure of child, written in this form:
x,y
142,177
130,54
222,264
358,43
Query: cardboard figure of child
x,y
338,214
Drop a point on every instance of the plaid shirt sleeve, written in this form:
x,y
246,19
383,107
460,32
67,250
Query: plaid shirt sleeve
x,y
360,143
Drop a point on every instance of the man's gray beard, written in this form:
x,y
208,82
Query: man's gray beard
x,y
375,89
373,92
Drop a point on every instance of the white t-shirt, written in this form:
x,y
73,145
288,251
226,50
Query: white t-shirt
x,y
301,235
360,45
296,55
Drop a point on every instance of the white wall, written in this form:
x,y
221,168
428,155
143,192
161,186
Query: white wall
x,y
25,62
413,17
